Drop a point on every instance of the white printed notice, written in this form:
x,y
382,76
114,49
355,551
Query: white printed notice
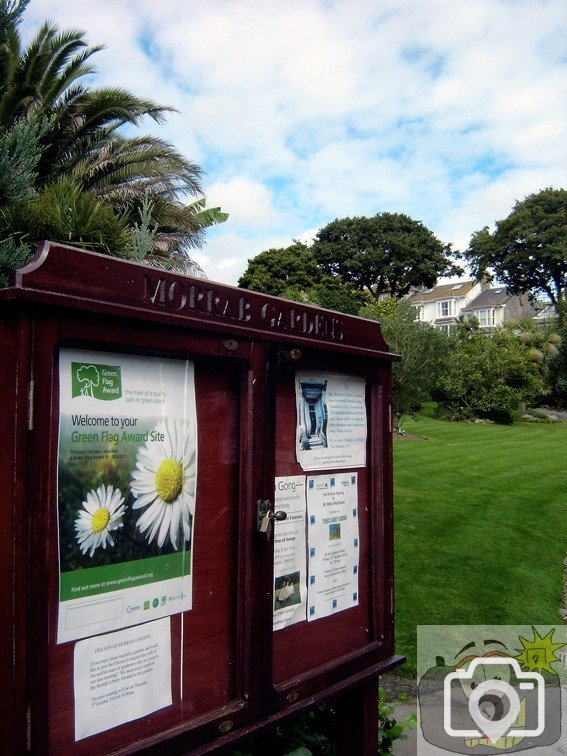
x,y
331,421
121,676
290,564
332,511
127,466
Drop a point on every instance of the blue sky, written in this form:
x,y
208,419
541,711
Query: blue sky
x,y
304,111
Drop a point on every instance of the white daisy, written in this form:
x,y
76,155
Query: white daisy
x,y
102,513
164,481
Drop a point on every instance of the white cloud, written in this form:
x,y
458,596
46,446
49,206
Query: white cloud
x,y
250,203
315,109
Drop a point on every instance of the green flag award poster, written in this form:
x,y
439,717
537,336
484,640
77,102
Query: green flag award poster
x,y
126,482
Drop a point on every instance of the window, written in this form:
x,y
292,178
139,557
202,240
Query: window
x,y
445,327
485,317
419,309
445,308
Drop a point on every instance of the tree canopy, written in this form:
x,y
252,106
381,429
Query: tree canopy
x,y
293,273
277,269
388,253
527,250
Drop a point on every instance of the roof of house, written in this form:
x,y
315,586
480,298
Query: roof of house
x,y
548,312
488,298
444,291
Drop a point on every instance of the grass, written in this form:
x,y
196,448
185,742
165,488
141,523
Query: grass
x,y
480,525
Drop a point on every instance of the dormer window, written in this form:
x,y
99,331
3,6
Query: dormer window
x,y
485,317
445,308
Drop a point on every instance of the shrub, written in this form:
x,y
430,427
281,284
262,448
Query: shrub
x,y
488,376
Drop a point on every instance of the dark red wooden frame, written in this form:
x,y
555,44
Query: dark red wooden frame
x,y
246,348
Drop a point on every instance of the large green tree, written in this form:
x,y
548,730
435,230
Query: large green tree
x,y
78,132
277,269
388,253
293,273
527,251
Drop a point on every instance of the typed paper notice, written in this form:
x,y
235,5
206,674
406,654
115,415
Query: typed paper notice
x,y
122,676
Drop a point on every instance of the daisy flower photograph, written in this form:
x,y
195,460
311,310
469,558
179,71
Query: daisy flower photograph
x,y
102,513
163,483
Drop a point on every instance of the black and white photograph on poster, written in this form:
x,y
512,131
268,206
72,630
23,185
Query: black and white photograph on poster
x,y
331,421
290,562
333,540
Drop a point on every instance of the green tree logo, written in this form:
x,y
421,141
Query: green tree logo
x,y
96,381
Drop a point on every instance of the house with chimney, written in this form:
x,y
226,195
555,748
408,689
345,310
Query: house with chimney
x,y
443,305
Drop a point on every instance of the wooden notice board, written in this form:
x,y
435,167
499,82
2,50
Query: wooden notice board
x,y
155,633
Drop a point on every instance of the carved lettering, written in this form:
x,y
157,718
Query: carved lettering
x,y
294,319
268,312
337,333
244,310
321,325
307,323
195,297
158,296
227,310
177,295
213,300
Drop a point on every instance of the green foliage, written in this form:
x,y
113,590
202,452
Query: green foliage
x,y
328,293
11,12
65,213
141,235
208,216
275,270
480,525
528,249
543,344
12,255
390,730
313,734
293,273
488,376
20,152
387,253
55,130
558,369
425,351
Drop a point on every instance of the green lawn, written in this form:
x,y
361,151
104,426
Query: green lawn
x,y
481,525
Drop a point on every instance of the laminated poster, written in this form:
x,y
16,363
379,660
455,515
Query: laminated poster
x,y
331,421
127,466
290,562
333,540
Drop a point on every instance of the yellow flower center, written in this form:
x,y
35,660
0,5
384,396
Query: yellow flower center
x,y
169,479
100,519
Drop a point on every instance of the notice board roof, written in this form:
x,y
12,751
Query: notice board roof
x,y
75,278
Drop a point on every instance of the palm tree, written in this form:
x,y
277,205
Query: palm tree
x,y
81,141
